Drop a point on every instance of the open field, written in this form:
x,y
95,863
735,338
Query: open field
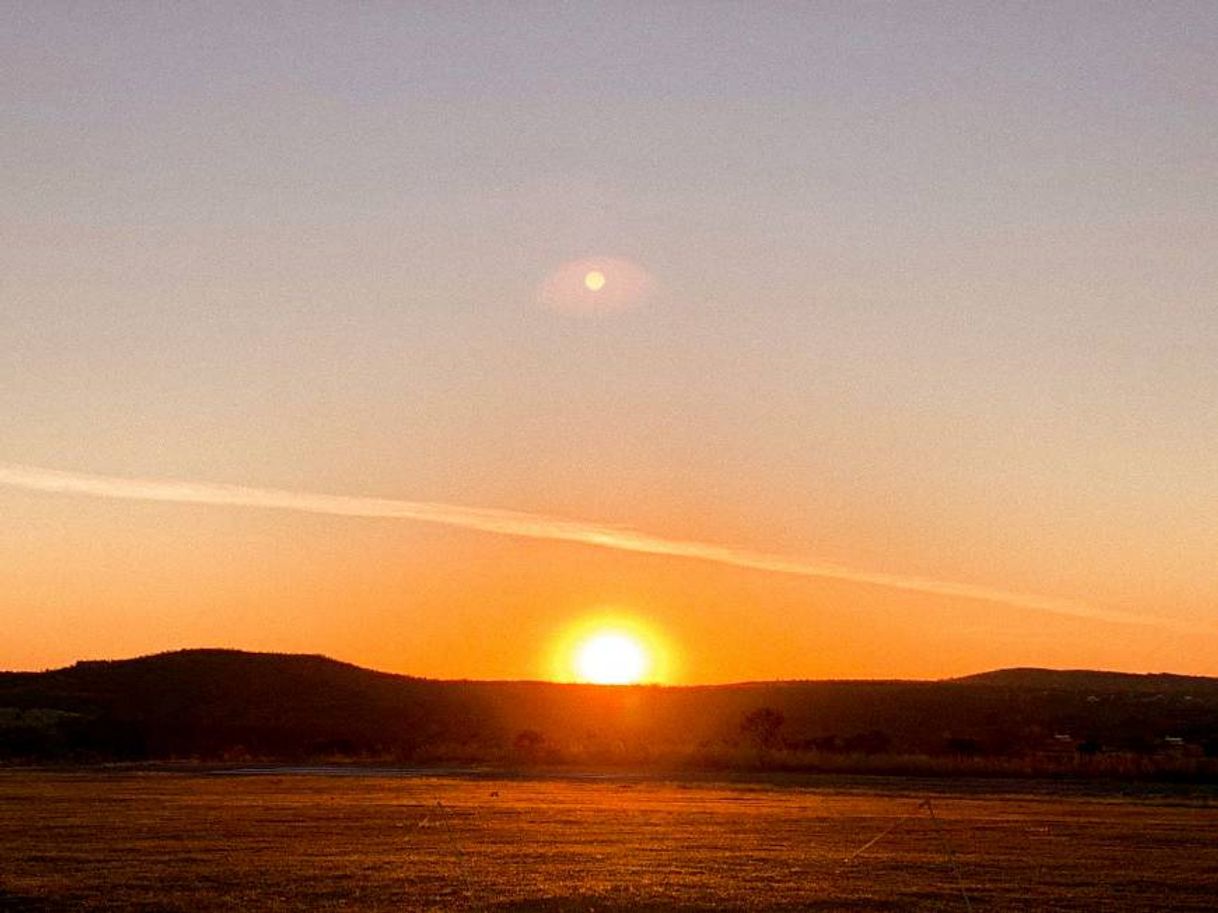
x,y
290,841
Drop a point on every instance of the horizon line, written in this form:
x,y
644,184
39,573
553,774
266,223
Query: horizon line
x,y
732,683
524,525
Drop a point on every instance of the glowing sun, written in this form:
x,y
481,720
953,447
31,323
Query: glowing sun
x,y
594,280
611,658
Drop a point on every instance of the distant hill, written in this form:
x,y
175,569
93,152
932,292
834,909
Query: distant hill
x,y
1087,680
227,704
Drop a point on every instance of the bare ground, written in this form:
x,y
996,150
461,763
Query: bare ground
x,y
209,842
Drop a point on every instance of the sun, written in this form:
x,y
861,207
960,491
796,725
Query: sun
x,y
594,280
611,646
611,658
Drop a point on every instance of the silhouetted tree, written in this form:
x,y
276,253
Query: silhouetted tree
x,y
826,743
962,745
528,743
873,742
1090,746
762,727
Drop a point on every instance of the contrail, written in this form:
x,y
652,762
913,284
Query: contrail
x,y
538,526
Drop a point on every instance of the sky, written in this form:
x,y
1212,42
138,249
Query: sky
x,y
906,362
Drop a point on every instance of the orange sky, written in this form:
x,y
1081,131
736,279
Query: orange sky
x,y
925,293
104,578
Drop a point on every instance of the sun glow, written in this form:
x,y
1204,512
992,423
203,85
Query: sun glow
x,y
612,658
611,650
594,281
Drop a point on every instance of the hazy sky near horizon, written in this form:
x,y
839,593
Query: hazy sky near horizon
x,y
930,293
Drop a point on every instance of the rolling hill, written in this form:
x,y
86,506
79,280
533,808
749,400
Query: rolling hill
x,y
227,704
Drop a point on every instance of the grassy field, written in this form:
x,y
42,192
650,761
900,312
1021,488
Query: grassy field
x,y
206,841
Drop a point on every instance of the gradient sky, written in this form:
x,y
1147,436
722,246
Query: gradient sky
x,y
930,294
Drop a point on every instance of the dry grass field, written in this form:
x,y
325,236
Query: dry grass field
x,y
205,841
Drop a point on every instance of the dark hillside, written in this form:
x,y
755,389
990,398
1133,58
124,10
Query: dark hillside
x,y
1092,682
225,704
217,702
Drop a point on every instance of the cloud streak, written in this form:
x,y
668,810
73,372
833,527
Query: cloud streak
x,y
538,526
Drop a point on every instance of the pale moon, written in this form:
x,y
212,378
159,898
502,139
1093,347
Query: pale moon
x,y
598,284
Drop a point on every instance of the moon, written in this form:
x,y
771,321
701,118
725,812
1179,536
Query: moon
x,y
597,284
